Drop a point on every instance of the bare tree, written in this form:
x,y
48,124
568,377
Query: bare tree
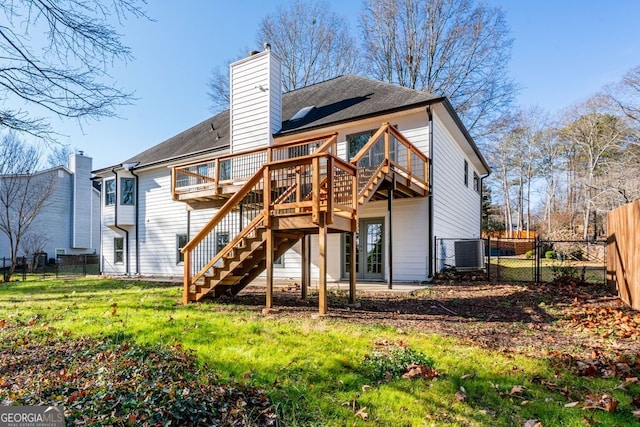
x,y
59,156
33,245
597,136
626,94
313,43
54,57
23,191
453,48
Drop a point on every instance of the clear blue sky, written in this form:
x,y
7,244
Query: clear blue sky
x,y
564,51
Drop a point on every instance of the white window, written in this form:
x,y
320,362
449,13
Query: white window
x,y
110,192
181,242
476,182
118,250
127,191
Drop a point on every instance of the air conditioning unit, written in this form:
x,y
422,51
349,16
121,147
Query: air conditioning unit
x,y
469,254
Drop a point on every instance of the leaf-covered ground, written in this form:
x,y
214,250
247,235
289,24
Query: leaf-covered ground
x,y
121,383
113,353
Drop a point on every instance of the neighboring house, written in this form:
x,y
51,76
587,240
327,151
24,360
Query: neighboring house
x,y
320,174
69,220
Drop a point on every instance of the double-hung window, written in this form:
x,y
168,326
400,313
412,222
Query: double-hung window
x,y
110,192
118,250
127,191
181,242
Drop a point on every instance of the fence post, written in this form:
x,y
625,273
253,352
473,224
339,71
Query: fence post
x,y
536,254
489,258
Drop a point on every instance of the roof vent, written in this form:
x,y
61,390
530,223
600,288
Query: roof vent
x,y
302,113
253,52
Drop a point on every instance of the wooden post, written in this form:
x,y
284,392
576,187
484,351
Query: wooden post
x,y
216,177
315,190
305,266
267,196
269,263
330,192
322,252
352,268
390,238
187,277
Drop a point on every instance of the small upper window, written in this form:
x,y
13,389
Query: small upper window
x,y
110,192
476,182
303,112
127,191
466,173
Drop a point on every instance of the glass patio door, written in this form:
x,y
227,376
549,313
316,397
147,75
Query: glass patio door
x,y
369,248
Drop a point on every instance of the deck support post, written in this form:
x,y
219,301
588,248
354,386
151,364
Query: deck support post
x,y
390,238
352,268
304,280
322,253
269,264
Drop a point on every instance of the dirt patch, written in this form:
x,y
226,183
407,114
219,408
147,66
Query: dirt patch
x,y
558,318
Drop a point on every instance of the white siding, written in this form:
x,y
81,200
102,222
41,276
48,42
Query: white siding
x,y
256,101
456,206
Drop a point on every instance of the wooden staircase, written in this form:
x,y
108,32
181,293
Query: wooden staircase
x,y
242,264
285,200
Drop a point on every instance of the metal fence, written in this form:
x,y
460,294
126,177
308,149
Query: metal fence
x,y
63,265
524,260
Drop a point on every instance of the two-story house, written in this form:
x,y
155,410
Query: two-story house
x,y
68,222
350,178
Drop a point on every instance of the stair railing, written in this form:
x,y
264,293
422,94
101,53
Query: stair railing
x,y
206,248
388,148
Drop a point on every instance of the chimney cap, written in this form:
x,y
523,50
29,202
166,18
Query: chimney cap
x,y
253,52
267,46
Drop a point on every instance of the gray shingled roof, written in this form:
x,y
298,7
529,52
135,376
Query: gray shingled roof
x,y
337,100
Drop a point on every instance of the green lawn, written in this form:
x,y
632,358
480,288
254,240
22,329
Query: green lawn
x,y
313,369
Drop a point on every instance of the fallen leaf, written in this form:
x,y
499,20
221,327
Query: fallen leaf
x,y
533,423
365,387
516,389
571,404
460,396
2,323
362,414
468,376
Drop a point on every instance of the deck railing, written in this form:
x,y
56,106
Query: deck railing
x,y
237,168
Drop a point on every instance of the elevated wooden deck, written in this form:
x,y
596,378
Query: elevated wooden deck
x,y
275,196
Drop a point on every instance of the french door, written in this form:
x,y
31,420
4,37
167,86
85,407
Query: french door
x,y
369,246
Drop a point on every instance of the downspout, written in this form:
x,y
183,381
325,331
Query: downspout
x,y
430,241
137,213
126,233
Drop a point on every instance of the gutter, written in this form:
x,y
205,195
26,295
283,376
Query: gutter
x,y
126,232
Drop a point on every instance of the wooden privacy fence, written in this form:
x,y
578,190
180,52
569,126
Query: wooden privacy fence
x,y
623,252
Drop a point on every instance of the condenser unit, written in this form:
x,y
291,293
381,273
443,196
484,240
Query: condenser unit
x,y
469,254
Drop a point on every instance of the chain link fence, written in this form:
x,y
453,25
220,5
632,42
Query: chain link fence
x,y
523,260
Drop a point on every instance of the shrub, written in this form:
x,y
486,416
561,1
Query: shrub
x,y
550,254
393,361
529,254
